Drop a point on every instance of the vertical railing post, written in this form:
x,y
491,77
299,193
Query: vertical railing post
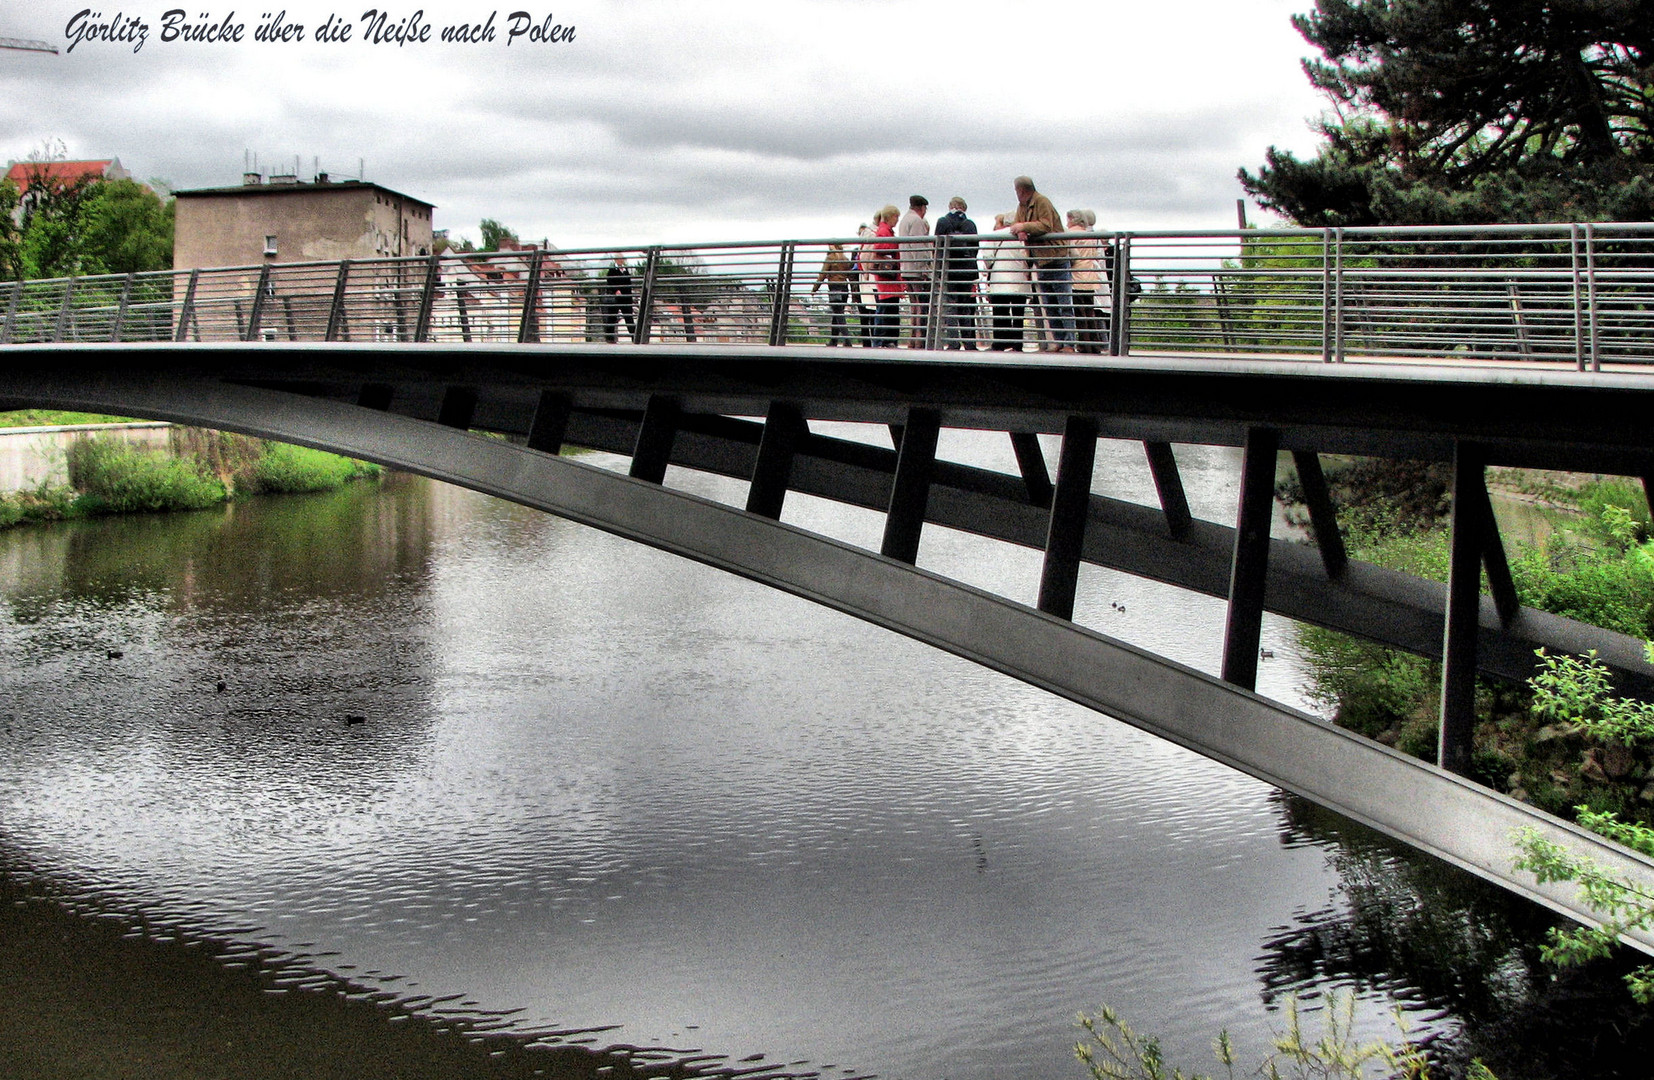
x,y
1120,337
646,298
1338,296
63,311
939,249
427,299
1524,347
1326,296
120,310
462,306
1591,294
781,301
257,314
186,313
336,328
11,313
528,326
1579,296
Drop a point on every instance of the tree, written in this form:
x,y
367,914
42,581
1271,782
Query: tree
x,y
84,224
127,229
493,233
1468,111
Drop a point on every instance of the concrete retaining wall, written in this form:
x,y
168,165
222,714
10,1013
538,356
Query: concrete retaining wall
x,y
35,455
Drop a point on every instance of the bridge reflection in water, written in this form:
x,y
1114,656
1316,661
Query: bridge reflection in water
x,y
1573,312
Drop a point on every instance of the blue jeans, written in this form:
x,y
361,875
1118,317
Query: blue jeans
x,y
1055,285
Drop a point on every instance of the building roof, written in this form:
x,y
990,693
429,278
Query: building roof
x,y
267,188
22,173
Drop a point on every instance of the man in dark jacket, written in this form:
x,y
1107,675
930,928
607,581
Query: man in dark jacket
x,y
959,283
615,301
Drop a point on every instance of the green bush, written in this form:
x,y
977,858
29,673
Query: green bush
x,y
113,478
286,469
1602,585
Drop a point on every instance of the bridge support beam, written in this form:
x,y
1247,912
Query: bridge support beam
x,y
1323,517
910,492
1499,581
784,429
1250,566
550,424
655,435
1464,601
1031,463
1070,507
1169,483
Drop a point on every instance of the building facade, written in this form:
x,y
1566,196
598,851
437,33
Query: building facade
x,y
284,220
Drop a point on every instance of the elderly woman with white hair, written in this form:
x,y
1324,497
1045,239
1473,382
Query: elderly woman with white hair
x,y
1090,282
1005,265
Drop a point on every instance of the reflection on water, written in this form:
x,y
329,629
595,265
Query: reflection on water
x,y
595,788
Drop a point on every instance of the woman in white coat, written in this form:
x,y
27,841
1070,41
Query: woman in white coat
x,y
1005,266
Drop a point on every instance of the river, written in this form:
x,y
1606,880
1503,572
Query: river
x,y
407,742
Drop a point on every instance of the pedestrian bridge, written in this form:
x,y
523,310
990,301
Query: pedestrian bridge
x,y
1438,364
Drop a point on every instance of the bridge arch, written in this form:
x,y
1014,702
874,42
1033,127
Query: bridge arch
x,y
1418,803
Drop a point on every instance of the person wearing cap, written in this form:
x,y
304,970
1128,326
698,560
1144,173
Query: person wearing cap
x,y
916,265
959,277
1037,221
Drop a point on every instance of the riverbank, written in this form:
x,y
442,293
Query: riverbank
x,y
1581,549
84,466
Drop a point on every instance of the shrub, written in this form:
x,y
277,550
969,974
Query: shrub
x,y
114,479
285,469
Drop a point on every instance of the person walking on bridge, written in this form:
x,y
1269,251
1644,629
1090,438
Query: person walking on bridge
x,y
1036,222
615,300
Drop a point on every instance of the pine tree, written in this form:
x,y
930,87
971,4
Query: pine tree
x,y
1465,111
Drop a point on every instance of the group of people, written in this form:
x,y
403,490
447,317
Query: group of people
x,y
1028,275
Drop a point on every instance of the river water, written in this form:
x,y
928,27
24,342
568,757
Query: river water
x,y
442,747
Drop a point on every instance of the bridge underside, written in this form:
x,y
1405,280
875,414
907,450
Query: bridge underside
x,y
638,412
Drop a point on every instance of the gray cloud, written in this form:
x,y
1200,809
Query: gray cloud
x,y
702,119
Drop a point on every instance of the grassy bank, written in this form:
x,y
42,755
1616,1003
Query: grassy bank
x,y
203,469
1596,567
16,418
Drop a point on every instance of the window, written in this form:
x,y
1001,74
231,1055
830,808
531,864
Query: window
x,y
270,245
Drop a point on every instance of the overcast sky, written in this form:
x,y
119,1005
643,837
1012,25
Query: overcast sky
x,y
688,120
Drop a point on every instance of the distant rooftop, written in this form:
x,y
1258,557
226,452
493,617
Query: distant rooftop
x,y
256,184
23,173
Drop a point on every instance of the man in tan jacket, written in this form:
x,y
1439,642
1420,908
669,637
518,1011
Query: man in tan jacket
x,y
1036,219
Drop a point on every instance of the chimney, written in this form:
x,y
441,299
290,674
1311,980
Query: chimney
x,y
251,179
284,178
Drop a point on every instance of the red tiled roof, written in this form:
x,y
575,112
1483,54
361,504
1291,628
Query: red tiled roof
x,y
22,172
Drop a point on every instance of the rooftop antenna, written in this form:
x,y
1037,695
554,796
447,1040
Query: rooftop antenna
x,y
361,169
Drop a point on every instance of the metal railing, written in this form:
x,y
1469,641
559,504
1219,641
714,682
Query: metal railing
x,y
1576,294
